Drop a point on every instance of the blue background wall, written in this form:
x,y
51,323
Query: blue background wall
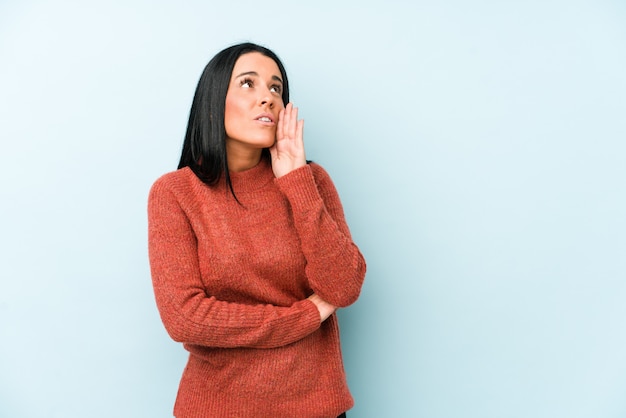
x,y
478,148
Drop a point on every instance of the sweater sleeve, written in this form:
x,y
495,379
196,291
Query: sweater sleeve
x,y
335,266
188,313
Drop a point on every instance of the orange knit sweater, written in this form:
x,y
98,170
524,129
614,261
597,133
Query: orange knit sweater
x,y
231,283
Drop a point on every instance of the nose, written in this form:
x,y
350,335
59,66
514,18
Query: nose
x,y
266,99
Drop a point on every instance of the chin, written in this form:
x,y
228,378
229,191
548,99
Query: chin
x,y
259,142
266,143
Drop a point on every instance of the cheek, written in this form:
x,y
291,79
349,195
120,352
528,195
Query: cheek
x,y
232,113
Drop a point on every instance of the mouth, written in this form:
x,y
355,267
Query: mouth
x,y
265,118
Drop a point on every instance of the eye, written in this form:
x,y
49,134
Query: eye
x,y
276,89
246,83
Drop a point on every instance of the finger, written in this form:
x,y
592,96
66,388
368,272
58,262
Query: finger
x,y
300,131
287,119
293,123
279,125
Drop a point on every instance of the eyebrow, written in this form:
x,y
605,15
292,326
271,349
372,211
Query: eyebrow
x,y
274,77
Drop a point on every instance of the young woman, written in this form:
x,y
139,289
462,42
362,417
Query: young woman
x,y
250,252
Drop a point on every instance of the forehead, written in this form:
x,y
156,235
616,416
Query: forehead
x,y
256,62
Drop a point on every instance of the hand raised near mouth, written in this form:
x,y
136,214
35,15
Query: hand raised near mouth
x,y
288,150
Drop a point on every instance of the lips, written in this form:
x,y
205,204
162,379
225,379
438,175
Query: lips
x,y
265,118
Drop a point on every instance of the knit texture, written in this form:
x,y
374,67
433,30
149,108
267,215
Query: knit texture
x,y
231,283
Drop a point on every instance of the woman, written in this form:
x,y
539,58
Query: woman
x,y
250,252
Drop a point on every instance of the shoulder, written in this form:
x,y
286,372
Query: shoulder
x,y
175,182
174,177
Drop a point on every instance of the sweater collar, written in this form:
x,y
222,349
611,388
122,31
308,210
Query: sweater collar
x,y
253,178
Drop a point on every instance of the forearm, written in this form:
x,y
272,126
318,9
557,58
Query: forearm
x,y
335,266
206,321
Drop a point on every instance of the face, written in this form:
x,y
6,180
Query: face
x,y
253,102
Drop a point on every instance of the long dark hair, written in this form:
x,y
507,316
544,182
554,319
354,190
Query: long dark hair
x,y
204,149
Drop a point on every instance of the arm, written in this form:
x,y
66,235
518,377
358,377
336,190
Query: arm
x,y
335,266
188,313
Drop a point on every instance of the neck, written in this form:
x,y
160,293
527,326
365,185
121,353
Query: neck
x,y
242,159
